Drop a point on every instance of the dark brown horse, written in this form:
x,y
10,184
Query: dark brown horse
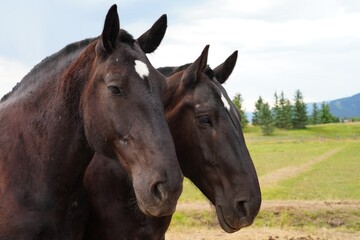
x,y
211,151
108,100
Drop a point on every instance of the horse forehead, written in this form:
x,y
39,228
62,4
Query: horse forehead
x,y
206,95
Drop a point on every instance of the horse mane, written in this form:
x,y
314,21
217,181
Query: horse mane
x,y
46,62
168,71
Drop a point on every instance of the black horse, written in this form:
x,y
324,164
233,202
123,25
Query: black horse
x,y
108,100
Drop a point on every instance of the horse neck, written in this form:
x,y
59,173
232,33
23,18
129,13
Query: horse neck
x,y
63,123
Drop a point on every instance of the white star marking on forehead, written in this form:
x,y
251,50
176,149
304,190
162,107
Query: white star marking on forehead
x,y
225,102
141,69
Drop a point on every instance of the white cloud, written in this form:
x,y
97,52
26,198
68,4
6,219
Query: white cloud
x,y
283,45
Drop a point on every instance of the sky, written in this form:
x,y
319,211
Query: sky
x,y
283,45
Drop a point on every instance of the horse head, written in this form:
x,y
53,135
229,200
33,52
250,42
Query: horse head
x,y
123,114
209,141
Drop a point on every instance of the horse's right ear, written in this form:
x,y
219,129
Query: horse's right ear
x,y
111,30
152,38
223,71
193,73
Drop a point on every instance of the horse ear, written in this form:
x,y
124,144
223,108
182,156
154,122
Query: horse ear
x,y
223,71
151,39
193,73
111,29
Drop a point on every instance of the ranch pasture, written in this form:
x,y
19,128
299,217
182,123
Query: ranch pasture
x,y
310,185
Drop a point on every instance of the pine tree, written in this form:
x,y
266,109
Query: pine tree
x,y
287,111
237,100
276,111
282,112
325,114
258,105
315,115
299,117
266,119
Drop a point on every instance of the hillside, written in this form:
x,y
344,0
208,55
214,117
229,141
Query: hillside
x,y
346,107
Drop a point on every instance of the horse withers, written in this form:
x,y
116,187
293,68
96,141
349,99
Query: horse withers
x,y
109,100
211,151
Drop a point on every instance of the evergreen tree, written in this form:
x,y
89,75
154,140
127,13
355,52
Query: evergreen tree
x,y
282,112
258,105
325,114
276,111
287,114
299,117
315,115
265,119
237,100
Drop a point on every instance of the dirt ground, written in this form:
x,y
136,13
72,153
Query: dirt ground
x,y
261,234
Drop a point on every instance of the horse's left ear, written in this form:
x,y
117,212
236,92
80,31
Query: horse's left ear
x,y
193,73
223,71
152,38
111,29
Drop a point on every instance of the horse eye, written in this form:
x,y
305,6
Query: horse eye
x,y
114,90
204,120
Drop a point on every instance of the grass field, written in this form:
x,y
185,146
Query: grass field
x,y
310,181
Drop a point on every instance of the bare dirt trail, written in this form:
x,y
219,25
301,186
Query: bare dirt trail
x,y
273,178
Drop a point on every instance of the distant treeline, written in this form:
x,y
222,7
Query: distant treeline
x,y
285,114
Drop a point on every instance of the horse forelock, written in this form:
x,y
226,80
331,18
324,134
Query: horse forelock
x,y
209,72
126,37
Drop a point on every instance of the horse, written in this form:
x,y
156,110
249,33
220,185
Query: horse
x,y
107,99
211,150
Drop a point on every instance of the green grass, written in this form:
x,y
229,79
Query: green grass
x,y
289,218
334,178
333,130
270,157
341,219
194,220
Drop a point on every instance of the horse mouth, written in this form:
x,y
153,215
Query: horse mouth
x,y
143,208
227,227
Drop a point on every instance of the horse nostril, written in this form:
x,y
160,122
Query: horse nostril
x,y
158,191
241,208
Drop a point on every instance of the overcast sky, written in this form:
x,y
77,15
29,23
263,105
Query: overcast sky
x,y
284,45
